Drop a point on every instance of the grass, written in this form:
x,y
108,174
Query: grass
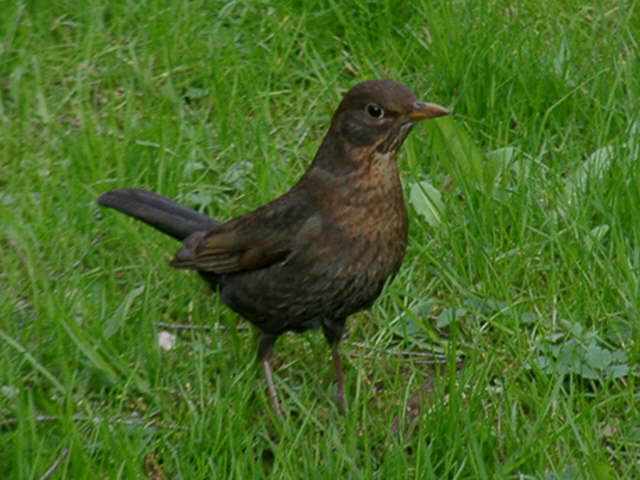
x,y
525,287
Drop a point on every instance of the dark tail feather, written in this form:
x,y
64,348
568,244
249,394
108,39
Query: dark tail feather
x,y
160,212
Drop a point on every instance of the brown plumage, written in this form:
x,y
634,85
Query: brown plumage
x,y
323,250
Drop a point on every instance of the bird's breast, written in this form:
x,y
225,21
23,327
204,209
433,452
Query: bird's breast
x,y
354,245
372,217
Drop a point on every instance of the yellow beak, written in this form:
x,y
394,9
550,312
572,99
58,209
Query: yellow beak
x,y
426,110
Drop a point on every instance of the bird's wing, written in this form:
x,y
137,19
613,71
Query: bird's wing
x,y
255,240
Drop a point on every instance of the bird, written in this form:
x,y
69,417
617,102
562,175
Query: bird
x,y
320,252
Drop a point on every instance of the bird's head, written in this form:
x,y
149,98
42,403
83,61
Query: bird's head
x,y
377,115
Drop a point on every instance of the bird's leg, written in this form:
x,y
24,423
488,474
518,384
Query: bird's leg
x,y
333,333
264,356
337,364
273,396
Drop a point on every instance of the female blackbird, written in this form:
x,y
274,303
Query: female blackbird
x,y
323,250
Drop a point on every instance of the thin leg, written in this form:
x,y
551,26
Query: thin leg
x,y
337,365
264,355
273,396
333,333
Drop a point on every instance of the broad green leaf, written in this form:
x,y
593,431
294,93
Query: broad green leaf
x,y
498,160
585,371
596,235
459,155
617,371
529,318
449,315
603,471
597,357
117,319
427,201
619,356
592,169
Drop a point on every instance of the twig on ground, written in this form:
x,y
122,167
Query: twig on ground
x,y
55,464
188,326
436,357
83,418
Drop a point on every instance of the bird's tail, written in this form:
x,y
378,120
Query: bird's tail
x,y
161,213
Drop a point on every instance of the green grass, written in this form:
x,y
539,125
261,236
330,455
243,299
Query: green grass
x,y
526,285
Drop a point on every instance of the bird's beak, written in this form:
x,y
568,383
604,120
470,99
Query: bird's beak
x,y
426,110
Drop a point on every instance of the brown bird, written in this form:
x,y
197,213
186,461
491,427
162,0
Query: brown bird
x,y
323,250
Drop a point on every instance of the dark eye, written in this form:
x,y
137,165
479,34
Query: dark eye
x,y
376,111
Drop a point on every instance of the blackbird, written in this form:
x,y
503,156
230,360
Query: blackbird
x,y
323,250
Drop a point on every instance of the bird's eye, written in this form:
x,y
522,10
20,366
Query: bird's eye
x,y
376,111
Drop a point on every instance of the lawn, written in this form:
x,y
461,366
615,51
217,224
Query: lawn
x,y
507,345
